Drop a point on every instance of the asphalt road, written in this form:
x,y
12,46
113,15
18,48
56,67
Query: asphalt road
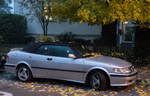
x,y
48,87
9,84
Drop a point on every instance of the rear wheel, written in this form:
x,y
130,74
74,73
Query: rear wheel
x,y
24,73
98,80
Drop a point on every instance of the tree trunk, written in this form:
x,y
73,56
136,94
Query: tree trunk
x,y
123,31
46,27
44,30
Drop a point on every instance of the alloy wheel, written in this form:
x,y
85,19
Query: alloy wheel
x,y
23,73
95,81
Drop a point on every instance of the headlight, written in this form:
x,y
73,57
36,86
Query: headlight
x,y
121,70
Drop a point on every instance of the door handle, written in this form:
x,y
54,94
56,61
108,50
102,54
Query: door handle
x,y
49,59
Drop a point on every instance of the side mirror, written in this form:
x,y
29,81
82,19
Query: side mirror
x,y
72,56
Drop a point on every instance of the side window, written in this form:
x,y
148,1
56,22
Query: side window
x,y
62,51
43,50
51,50
46,50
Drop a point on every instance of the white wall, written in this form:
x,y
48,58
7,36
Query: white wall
x,y
82,30
55,29
11,4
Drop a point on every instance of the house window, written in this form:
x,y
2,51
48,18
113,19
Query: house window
x,y
129,34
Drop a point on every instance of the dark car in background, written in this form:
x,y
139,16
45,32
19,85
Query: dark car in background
x,y
2,61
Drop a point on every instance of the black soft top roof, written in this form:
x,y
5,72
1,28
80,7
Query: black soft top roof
x,y
34,46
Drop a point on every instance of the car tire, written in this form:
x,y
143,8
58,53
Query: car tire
x,y
24,73
98,81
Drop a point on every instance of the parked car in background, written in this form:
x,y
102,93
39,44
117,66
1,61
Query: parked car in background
x,y
2,61
69,62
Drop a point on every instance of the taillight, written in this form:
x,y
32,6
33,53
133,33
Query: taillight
x,y
6,56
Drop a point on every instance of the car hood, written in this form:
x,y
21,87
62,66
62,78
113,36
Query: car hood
x,y
110,60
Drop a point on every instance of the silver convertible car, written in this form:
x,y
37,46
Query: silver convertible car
x,y
69,62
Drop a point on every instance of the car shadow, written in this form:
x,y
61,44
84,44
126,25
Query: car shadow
x,y
77,85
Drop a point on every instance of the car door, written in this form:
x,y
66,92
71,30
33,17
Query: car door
x,y
41,62
65,67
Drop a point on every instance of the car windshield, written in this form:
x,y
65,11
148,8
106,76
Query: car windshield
x,y
82,50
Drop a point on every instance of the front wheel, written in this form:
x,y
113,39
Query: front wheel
x,y
98,80
24,73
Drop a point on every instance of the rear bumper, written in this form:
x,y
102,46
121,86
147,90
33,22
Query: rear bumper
x,y
123,79
10,68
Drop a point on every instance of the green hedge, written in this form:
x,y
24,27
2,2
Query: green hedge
x,y
12,28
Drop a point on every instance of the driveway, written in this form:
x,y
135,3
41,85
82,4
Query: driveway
x,y
48,87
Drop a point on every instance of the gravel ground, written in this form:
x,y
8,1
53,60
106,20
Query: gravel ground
x,y
48,87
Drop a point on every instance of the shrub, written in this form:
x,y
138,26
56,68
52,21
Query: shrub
x,y
142,40
42,38
29,39
12,28
66,37
83,41
126,54
70,37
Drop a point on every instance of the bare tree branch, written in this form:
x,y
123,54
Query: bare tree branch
x,y
38,9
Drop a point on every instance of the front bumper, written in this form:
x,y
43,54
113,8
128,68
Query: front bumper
x,y
123,79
